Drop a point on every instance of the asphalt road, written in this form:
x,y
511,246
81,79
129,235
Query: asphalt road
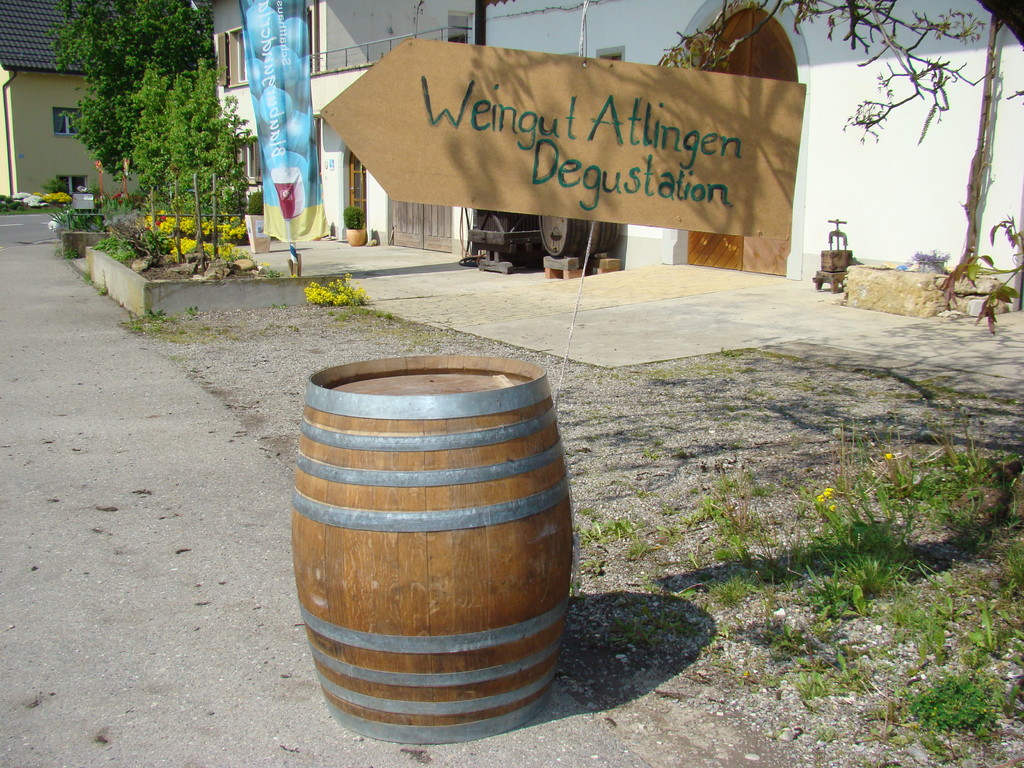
x,y
147,609
24,229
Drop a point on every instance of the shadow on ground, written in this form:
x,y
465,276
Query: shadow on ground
x,y
619,646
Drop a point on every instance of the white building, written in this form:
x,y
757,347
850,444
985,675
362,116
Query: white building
x,y
346,39
897,197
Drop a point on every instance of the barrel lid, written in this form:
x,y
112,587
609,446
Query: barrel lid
x,y
440,383
434,387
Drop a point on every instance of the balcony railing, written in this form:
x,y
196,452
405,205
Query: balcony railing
x,y
365,54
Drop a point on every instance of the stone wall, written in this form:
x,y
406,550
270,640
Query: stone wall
x,y
913,294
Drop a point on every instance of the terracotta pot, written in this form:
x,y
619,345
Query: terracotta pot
x,y
356,236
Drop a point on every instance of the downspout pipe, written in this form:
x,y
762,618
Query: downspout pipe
x,y
8,131
480,27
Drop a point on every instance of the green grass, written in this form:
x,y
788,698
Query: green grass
x,y
607,532
169,328
956,702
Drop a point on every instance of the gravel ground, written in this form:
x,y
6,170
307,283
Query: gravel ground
x,y
650,634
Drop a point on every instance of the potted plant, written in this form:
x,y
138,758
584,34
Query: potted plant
x,y
933,261
355,225
259,242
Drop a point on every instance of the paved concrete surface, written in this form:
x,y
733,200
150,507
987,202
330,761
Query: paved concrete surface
x,y
666,312
148,610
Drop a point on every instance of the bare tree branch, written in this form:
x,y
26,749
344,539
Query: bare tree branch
x,y
869,26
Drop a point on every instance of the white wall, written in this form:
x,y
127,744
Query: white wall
x,y
343,24
898,197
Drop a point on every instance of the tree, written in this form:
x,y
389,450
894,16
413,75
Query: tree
x,y
871,27
113,43
1010,13
184,129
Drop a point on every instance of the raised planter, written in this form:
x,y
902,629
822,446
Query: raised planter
x,y
139,295
79,241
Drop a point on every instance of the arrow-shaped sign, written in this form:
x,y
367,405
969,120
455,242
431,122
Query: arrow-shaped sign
x,y
509,130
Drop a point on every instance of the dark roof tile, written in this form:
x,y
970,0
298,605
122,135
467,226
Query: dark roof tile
x,y
26,37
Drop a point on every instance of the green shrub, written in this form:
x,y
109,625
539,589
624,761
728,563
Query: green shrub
x,y
354,217
255,204
56,184
9,204
117,248
956,703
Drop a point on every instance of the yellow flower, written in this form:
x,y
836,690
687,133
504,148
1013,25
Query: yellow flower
x,y
831,507
889,457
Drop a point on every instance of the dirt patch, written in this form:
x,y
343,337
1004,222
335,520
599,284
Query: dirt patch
x,y
707,613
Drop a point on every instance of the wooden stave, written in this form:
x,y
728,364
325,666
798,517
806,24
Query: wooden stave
x,y
473,722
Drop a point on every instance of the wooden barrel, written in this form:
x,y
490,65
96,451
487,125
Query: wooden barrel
x,y
432,543
563,237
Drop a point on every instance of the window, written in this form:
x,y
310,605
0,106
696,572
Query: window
x,y
250,159
64,119
458,27
313,28
74,184
614,54
231,58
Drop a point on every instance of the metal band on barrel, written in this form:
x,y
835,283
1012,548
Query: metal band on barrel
x,y
401,707
440,734
445,442
432,679
445,406
388,478
431,520
470,641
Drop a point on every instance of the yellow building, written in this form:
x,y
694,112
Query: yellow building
x,y
37,109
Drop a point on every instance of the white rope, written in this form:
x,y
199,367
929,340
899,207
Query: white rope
x,y
583,29
575,576
575,312
590,236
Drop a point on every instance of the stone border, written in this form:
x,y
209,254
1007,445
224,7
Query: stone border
x,y
139,295
80,241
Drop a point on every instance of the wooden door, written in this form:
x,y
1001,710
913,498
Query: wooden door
x,y
356,182
767,54
707,249
422,226
437,227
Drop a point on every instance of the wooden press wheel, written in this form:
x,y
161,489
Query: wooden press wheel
x,y
564,237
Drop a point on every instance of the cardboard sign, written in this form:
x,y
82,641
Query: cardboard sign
x,y
509,130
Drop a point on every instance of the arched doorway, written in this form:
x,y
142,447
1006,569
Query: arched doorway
x,y
767,54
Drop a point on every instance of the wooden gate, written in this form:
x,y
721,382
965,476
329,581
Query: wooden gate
x,y
767,54
422,226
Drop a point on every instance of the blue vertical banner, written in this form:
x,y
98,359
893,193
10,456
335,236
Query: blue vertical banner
x,y
276,40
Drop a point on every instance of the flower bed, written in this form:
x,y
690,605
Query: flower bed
x,y
140,296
